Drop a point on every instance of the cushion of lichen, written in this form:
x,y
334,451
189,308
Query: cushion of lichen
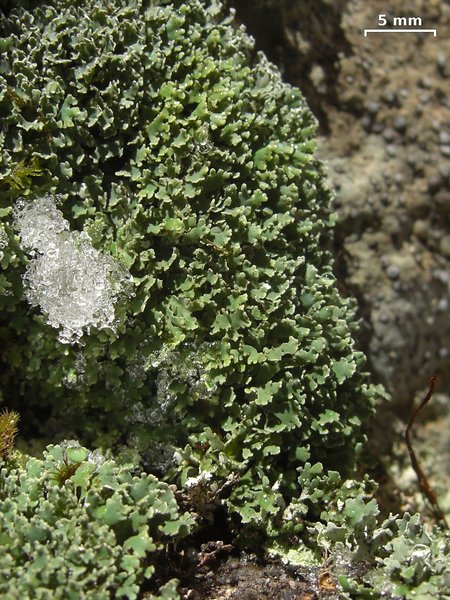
x,y
183,155
75,525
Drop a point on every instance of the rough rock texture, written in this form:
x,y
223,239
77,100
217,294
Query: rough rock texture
x,y
391,168
249,579
389,159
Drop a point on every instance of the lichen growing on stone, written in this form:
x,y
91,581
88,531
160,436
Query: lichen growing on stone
x,y
182,154
178,152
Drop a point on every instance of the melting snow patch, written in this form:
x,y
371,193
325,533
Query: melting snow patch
x,y
74,285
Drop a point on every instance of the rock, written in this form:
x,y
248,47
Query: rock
x,y
444,245
393,272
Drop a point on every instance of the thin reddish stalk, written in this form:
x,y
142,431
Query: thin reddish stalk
x,y
424,485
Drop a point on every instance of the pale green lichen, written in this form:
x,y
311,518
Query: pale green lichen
x,y
76,525
184,157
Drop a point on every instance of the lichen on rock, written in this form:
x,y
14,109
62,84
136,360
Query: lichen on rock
x,y
183,155
177,151
74,524
232,373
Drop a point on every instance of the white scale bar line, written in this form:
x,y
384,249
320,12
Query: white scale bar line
x,y
433,31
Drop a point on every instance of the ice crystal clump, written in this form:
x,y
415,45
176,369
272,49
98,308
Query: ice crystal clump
x,y
200,480
168,366
76,377
75,286
186,369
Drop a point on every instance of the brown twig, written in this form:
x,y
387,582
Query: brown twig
x,y
423,481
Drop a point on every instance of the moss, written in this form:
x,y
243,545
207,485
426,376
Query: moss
x,y
8,431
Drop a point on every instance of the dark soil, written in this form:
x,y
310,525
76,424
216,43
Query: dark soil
x,y
246,579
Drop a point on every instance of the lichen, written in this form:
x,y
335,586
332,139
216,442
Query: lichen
x,y
183,155
175,155
75,524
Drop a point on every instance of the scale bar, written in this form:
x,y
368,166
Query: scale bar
x,y
433,31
